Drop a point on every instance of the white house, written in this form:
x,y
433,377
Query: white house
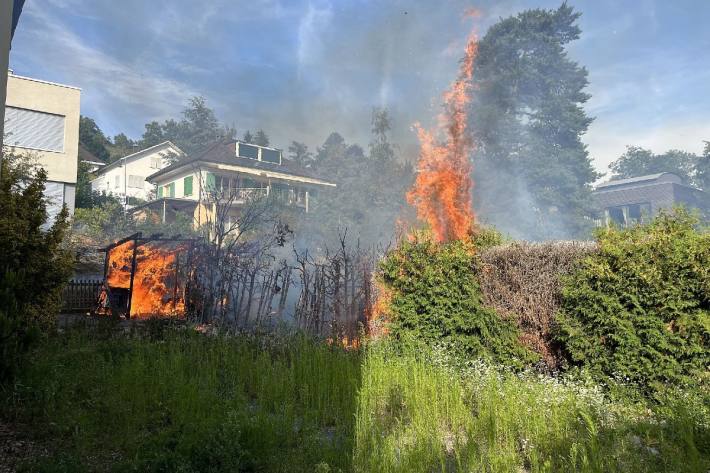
x,y
225,177
42,119
126,177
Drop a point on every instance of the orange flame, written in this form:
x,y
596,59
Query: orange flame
x,y
157,290
441,193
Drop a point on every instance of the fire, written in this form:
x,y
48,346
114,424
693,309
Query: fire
x,y
157,290
379,313
441,193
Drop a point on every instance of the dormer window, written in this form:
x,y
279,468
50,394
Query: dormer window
x,y
245,150
271,156
259,153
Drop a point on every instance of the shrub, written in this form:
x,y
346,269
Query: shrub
x,y
436,298
522,282
639,309
34,264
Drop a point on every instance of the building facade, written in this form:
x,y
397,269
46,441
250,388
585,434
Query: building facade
x,y
627,202
221,181
125,178
42,120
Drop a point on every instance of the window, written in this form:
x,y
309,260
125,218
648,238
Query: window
x,y
616,215
187,186
35,130
167,191
135,181
271,156
156,163
248,151
116,181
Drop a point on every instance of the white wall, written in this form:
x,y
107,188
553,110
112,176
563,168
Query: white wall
x,y
56,99
116,180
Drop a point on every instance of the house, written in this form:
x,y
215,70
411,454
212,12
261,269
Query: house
x,y
626,202
93,162
125,178
42,118
224,178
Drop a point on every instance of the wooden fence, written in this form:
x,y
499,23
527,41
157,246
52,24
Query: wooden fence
x,y
80,295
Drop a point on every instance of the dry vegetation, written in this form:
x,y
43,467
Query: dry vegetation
x,y
521,281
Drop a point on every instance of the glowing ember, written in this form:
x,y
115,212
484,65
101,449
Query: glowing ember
x,y
441,193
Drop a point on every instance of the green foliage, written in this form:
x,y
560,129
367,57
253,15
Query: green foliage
x,y
190,402
86,197
370,196
435,298
93,139
108,222
639,309
423,411
637,161
532,171
198,129
702,169
299,154
34,265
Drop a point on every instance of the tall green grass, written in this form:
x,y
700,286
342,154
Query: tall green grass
x,y
182,401
190,402
420,411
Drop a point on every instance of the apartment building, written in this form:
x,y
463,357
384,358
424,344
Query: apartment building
x,y
42,120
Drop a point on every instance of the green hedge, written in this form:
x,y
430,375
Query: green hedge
x,y
638,310
435,298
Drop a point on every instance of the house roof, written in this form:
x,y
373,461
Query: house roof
x,y
224,152
636,180
137,154
87,156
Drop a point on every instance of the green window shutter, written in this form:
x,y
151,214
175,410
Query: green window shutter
x,y
210,182
187,184
160,192
172,189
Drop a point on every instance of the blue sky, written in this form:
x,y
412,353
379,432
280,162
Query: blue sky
x,y
300,69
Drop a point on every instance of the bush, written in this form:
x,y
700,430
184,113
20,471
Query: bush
x,y
34,265
436,298
639,309
522,282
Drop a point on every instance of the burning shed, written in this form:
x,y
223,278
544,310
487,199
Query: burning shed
x,y
146,277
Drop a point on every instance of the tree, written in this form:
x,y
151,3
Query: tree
x,y
380,148
93,139
261,138
34,264
198,128
122,146
702,169
370,194
85,196
248,137
299,154
533,173
637,161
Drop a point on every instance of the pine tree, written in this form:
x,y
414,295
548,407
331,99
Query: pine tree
x,y
533,173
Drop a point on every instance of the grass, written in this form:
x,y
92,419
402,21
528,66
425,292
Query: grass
x,y
182,401
190,402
